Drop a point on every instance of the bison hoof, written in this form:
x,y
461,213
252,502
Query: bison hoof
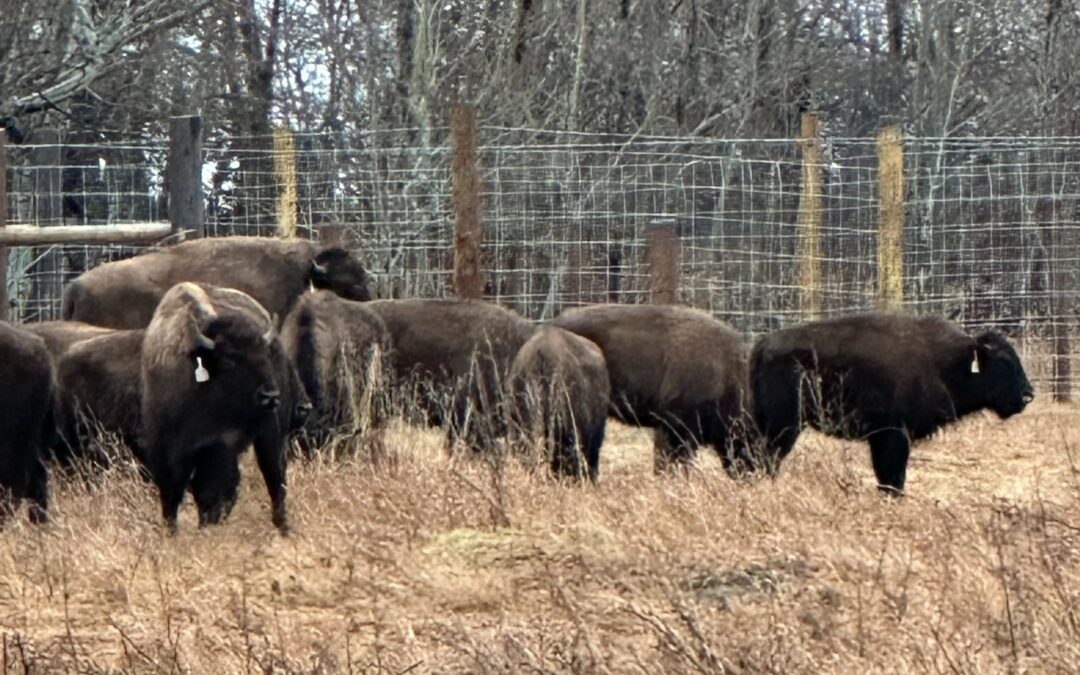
x,y
38,515
891,491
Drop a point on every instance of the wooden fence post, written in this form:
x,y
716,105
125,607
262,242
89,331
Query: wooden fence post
x,y
285,169
183,176
4,303
469,229
810,209
891,236
663,257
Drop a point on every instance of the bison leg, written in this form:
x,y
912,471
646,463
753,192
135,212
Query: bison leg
x,y
889,451
592,451
171,486
37,491
272,465
215,484
778,410
672,451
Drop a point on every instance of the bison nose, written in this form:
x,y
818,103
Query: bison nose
x,y
1028,396
268,398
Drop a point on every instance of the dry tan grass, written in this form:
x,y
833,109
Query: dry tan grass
x,y
399,567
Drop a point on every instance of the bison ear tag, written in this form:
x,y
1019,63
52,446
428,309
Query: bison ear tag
x,y
975,363
201,373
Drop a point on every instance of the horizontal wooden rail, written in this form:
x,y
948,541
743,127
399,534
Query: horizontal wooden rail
x,y
118,233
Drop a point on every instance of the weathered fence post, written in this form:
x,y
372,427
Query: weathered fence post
x,y
663,256
469,229
810,209
4,304
890,146
285,170
183,175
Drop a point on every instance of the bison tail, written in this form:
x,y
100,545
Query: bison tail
x,y
307,354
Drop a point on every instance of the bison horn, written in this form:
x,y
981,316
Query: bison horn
x,y
204,342
317,270
271,332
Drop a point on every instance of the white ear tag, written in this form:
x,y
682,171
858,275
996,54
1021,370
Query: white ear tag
x,y
975,363
201,373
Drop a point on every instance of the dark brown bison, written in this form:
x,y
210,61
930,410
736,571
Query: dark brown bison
x,y
453,355
59,336
275,272
26,421
561,392
337,346
210,387
885,378
675,369
101,394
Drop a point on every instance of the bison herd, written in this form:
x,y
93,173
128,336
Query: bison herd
x,y
191,354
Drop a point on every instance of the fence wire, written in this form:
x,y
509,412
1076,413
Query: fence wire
x,y
990,240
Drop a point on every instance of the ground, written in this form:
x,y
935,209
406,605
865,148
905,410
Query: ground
x,y
425,565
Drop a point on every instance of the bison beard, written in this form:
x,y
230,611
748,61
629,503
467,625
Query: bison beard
x,y
26,421
274,272
194,428
889,379
560,389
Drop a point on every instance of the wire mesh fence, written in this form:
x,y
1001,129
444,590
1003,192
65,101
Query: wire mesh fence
x,y
990,230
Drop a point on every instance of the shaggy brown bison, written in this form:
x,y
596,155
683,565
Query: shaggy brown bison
x,y
885,378
101,392
560,389
275,272
674,369
337,346
453,355
209,388
26,406
60,336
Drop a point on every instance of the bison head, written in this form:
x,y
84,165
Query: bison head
x,y
338,270
237,355
1004,384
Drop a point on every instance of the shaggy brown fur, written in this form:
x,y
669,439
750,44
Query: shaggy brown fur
x,y
59,336
560,389
193,432
26,414
675,369
885,378
337,346
454,355
275,272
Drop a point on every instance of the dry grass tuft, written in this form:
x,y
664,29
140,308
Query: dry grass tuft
x,y
429,564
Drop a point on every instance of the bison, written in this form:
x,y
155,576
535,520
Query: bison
x,y
886,378
454,355
337,346
560,389
101,391
275,272
26,421
210,386
60,336
675,369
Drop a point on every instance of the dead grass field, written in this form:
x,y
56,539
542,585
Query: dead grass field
x,y
412,567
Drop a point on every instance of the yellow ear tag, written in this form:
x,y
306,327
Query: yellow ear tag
x,y
975,363
201,373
